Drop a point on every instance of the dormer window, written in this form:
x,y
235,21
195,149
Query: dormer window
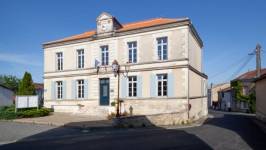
x,y
106,23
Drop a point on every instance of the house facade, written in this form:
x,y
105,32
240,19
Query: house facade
x,y
6,96
261,98
226,99
214,95
162,56
248,86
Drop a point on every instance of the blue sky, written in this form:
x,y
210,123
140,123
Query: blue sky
x,y
229,29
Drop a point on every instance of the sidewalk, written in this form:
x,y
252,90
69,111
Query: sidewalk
x,y
69,120
89,122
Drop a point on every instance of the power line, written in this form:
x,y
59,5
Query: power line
x,y
240,68
236,63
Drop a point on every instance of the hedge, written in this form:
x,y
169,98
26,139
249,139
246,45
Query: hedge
x,y
7,113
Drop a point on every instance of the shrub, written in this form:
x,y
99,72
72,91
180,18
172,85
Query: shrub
x,y
34,113
8,113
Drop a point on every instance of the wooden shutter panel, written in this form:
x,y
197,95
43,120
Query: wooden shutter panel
x,y
86,89
73,91
153,85
139,86
64,90
170,85
53,97
123,87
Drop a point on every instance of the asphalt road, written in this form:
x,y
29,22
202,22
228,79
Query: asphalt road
x,y
223,131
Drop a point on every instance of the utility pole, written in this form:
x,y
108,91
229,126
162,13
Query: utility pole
x,y
258,60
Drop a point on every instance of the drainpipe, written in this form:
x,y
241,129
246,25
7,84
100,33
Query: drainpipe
x,y
188,104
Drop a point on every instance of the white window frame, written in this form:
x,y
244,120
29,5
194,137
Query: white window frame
x,y
80,88
104,55
80,58
131,50
160,79
59,61
159,42
59,89
134,86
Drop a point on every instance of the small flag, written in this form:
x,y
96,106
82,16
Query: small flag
x,y
96,63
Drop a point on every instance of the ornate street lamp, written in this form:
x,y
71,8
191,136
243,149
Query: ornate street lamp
x,y
117,72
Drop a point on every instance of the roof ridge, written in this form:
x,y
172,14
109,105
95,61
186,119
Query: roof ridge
x,y
146,20
125,27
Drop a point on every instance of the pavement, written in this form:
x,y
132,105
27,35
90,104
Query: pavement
x,y
68,120
221,131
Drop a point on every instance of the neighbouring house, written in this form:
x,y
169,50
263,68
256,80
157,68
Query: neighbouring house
x,y
163,57
247,81
225,96
39,91
214,95
261,98
6,96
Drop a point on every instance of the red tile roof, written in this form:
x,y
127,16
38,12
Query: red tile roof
x,y
147,23
250,74
125,27
38,85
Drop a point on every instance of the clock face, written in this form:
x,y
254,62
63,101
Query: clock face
x,y
104,25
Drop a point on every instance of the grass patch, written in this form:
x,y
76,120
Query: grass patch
x,y
8,113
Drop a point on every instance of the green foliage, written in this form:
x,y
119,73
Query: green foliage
x,y
9,81
250,99
34,113
7,113
252,102
113,103
26,86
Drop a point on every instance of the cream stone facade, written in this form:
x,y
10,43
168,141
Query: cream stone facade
x,y
186,84
261,98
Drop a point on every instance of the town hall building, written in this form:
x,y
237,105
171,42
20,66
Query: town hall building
x,y
161,69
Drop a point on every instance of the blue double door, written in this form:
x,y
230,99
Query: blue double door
x,y
104,91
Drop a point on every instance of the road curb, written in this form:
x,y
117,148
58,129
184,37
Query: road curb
x,y
260,124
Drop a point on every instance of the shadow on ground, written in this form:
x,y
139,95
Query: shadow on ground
x,y
242,124
106,138
143,138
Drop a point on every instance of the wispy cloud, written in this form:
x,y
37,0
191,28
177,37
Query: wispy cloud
x,y
21,59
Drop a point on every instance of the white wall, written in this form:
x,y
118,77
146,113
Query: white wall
x,y
178,48
195,53
146,42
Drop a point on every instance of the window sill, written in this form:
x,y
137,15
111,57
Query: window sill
x,y
59,70
80,68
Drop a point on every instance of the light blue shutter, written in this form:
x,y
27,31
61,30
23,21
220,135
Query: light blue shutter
x,y
52,90
139,86
153,85
73,89
170,85
86,89
64,90
123,87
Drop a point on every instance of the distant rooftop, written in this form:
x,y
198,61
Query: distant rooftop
x,y
250,74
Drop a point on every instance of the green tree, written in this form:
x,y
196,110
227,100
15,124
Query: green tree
x,y
250,98
10,81
26,86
